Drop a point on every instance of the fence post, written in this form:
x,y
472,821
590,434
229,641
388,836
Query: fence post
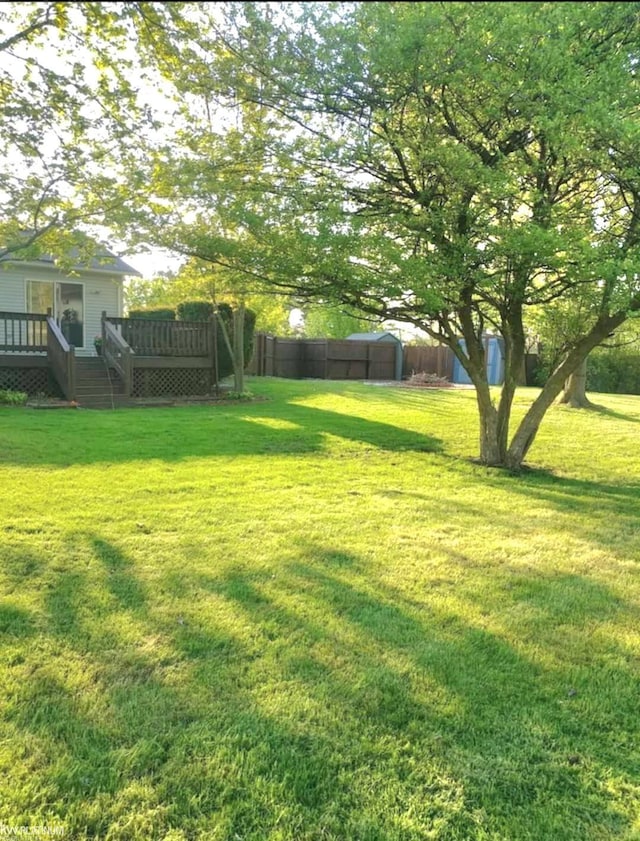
x,y
262,357
214,339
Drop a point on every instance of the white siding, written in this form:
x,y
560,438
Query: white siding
x,y
100,293
12,290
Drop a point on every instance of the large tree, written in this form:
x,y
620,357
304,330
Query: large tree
x,y
450,165
72,104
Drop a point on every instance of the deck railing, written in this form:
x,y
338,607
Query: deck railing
x,y
117,354
155,337
22,332
62,359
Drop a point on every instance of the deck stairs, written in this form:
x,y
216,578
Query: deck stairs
x,y
97,387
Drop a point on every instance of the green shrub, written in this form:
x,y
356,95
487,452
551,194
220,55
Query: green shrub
x,y
239,395
160,313
614,370
225,365
13,398
194,311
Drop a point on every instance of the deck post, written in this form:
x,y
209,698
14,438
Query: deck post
x,y
71,373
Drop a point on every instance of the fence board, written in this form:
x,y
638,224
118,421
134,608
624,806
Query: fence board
x,y
322,359
428,359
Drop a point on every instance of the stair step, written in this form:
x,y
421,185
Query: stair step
x,y
95,384
107,395
103,405
100,396
97,395
99,386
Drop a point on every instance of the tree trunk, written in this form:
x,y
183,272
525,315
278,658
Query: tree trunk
x,y
493,431
574,394
492,450
514,342
575,359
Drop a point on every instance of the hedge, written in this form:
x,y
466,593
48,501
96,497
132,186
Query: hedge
x,y
194,311
160,313
616,371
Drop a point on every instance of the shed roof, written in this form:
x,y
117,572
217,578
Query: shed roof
x,y
374,337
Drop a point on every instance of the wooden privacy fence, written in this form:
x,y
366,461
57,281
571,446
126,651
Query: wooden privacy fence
x,y
327,359
335,359
428,359
439,360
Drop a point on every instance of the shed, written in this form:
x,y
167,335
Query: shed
x,y
382,337
494,351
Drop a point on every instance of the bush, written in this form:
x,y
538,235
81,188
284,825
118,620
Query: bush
x,y
194,311
160,313
614,370
225,364
13,398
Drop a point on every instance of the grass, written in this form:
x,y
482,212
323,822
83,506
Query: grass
x,y
313,617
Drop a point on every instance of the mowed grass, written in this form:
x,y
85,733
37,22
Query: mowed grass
x,y
313,617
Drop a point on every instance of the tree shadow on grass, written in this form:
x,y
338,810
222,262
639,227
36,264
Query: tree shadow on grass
x,y
611,413
315,700
263,428
603,514
15,621
131,745
504,725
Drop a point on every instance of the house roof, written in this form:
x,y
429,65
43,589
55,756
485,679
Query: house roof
x,y
374,337
102,259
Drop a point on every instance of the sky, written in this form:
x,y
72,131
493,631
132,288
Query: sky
x,y
150,264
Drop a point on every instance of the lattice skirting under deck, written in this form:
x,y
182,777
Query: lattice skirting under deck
x,y
33,381
171,382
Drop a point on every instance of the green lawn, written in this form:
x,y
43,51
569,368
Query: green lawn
x,y
313,617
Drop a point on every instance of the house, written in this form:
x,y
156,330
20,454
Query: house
x,y
50,319
75,299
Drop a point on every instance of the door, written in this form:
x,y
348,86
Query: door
x,y
66,303
70,312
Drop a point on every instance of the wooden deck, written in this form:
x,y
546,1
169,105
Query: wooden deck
x,y
140,358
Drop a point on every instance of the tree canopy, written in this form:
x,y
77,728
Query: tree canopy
x,y
72,104
447,165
